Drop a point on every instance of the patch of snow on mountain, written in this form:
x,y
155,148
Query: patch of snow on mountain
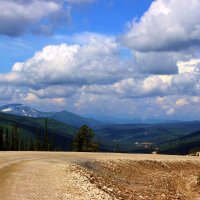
x,y
7,110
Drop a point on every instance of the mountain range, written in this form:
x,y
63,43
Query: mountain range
x,y
63,116
182,137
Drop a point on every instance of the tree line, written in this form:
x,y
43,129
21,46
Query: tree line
x,y
11,140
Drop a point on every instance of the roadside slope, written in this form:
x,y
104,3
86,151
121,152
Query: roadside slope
x,y
40,175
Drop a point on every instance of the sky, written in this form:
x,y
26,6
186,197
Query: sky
x,y
122,59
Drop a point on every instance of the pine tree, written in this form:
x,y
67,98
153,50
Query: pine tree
x,y
12,146
83,140
26,148
1,139
31,145
15,139
22,147
46,138
6,141
51,143
38,146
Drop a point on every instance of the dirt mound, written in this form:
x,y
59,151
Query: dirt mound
x,y
150,180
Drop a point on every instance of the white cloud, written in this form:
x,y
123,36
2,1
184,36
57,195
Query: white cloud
x,y
149,86
170,111
191,66
57,91
166,34
98,62
92,75
158,63
88,74
95,67
7,93
37,16
168,25
181,102
80,1
16,17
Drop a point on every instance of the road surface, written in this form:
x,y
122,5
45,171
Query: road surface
x,y
90,176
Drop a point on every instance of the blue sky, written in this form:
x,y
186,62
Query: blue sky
x,y
136,59
102,16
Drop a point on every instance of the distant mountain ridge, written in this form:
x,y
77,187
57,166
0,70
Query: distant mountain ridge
x,y
63,116
73,119
21,110
171,138
144,137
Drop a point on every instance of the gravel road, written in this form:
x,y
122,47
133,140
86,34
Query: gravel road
x,y
97,176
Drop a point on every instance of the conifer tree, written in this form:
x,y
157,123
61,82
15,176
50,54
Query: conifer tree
x,y
38,142
1,139
22,147
6,140
15,142
46,138
26,145
31,145
83,140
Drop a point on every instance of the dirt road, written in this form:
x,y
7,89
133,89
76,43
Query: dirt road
x,y
90,176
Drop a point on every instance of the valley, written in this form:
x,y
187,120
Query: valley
x,y
170,137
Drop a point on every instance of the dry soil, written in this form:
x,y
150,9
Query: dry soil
x,y
90,176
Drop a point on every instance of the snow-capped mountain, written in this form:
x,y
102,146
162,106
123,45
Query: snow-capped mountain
x,y
63,116
21,110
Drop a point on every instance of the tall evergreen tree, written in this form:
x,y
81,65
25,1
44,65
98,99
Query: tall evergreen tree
x,y
31,145
1,139
26,147
38,145
6,140
83,140
22,147
46,137
15,139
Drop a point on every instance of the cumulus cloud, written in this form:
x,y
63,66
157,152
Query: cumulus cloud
x,y
18,16
37,16
178,106
181,102
133,88
95,67
168,25
97,62
58,91
183,83
157,63
89,74
166,34
7,93
131,108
